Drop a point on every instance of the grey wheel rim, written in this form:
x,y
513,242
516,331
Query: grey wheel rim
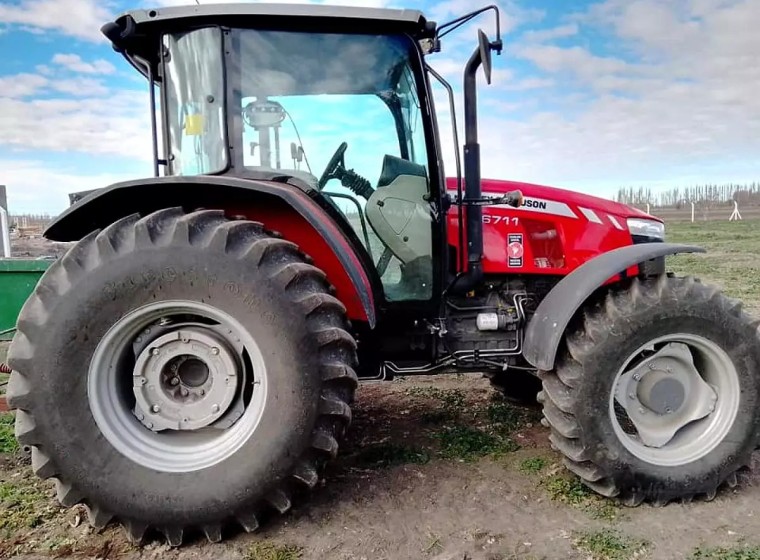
x,y
675,399
147,426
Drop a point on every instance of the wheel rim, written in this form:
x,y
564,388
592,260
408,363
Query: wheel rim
x,y
674,399
177,386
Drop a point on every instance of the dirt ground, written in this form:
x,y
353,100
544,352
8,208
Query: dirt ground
x,y
438,468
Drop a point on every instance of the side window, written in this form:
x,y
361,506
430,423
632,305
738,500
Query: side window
x,y
194,102
412,113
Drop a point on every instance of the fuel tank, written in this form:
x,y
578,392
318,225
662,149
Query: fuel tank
x,y
553,232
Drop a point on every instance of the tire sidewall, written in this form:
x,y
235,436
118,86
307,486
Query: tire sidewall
x,y
641,325
119,285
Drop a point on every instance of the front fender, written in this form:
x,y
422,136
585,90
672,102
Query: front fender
x,y
286,208
548,325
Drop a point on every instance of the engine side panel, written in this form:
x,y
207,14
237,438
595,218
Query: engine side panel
x,y
553,233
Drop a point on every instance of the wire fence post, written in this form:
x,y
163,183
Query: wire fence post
x,y
692,212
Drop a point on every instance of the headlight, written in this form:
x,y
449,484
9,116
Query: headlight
x,y
646,228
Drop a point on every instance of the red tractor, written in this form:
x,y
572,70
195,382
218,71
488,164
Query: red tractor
x,y
191,361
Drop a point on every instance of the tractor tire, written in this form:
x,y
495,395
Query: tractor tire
x,y
637,345
261,333
518,387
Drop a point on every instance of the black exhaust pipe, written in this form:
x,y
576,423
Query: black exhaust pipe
x,y
472,187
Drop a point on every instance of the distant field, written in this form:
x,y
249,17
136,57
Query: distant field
x,y
732,260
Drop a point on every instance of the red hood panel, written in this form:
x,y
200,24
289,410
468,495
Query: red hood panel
x,y
572,198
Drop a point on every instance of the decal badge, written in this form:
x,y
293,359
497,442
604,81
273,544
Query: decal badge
x,y
515,249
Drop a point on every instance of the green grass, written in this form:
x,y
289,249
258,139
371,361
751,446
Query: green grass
x,y
568,489
270,551
23,504
533,465
390,454
8,443
452,403
503,415
466,443
609,545
739,552
731,259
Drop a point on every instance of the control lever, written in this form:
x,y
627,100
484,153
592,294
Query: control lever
x,y
512,198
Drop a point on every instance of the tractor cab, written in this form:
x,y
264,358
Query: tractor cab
x,y
336,102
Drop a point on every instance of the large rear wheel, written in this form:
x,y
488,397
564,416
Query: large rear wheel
x,y
180,371
657,393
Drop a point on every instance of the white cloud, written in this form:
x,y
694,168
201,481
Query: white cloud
x,y
75,63
21,85
117,124
78,18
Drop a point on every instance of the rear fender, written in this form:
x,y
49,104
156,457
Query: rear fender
x,y
554,313
281,207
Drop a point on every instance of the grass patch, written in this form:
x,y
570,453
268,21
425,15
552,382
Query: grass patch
x,y
467,443
8,443
452,403
391,454
609,545
23,505
270,551
739,552
566,490
533,465
503,415
570,490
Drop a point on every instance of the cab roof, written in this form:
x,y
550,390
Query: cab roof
x,y
137,32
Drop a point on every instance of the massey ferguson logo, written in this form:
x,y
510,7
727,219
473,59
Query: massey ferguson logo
x,y
539,204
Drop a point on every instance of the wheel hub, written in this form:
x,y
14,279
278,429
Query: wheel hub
x,y
184,380
664,393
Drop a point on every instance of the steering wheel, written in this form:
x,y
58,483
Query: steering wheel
x,y
334,166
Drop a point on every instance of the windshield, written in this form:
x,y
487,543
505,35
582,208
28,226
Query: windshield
x,y
303,94
338,111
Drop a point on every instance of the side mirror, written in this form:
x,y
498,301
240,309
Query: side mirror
x,y
485,54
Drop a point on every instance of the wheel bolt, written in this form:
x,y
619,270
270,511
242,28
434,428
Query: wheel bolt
x,y
185,340
150,425
636,376
668,410
155,351
215,351
631,396
184,392
138,340
669,369
155,409
642,411
215,408
203,392
174,381
652,365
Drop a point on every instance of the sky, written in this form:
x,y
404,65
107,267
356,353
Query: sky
x,y
587,95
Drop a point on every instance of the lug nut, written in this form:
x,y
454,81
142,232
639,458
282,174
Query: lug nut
x,y
155,409
150,425
631,396
642,411
636,376
215,351
185,340
174,381
155,351
215,408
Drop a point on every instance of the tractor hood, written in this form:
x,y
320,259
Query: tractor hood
x,y
558,201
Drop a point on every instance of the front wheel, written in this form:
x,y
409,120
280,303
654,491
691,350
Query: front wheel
x,y
656,395
180,371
